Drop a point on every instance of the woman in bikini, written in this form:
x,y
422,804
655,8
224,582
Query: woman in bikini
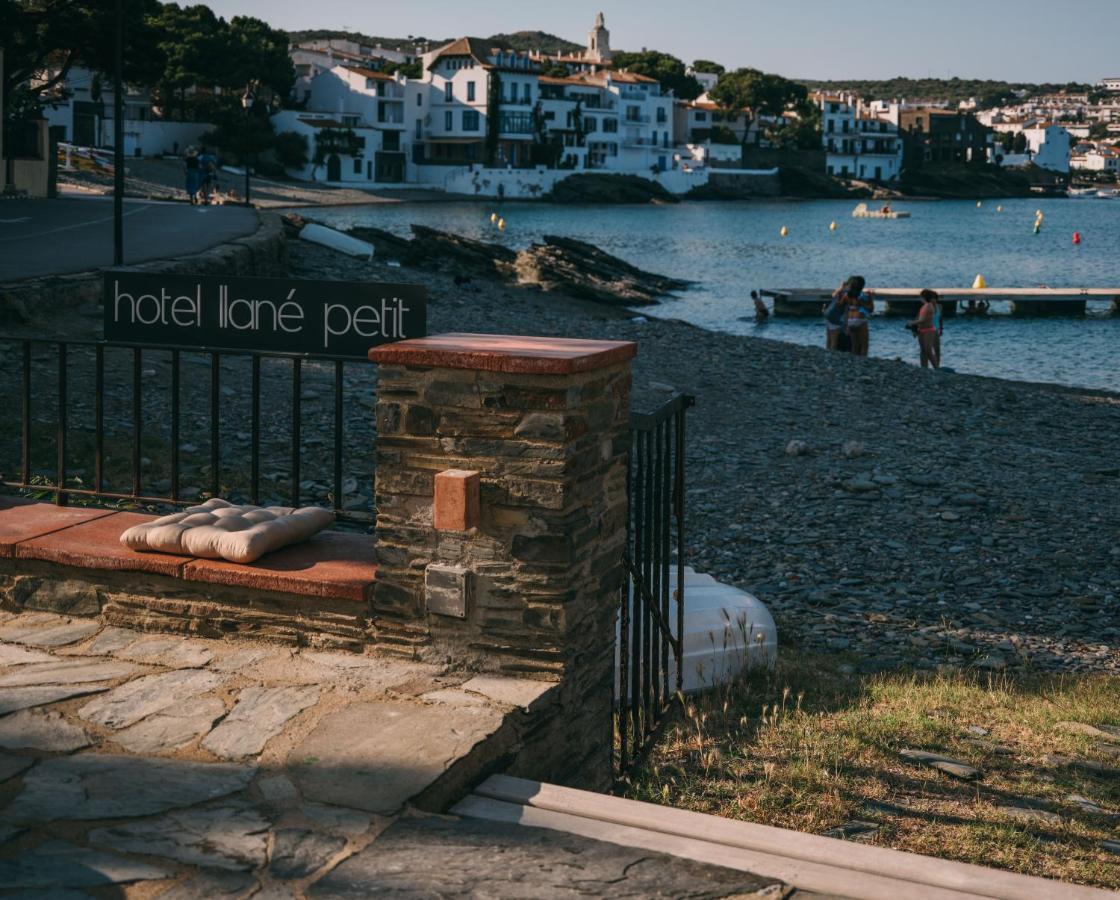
x,y
857,320
927,327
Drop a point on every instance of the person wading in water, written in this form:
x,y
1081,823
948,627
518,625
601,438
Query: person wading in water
x,y
858,306
927,329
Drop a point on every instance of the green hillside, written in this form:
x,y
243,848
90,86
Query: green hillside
x,y
988,93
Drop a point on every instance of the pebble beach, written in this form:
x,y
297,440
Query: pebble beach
x,y
896,516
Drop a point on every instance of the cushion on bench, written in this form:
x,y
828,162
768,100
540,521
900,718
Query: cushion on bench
x,y
219,529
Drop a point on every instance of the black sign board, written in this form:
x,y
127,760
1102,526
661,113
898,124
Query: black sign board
x,y
320,318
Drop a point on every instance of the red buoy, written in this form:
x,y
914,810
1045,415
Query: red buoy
x,y
1077,237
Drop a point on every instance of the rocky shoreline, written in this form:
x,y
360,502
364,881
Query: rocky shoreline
x,y
892,515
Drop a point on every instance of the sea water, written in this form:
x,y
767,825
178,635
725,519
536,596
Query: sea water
x,y
728,249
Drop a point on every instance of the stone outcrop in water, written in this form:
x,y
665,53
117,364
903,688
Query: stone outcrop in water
x,y
583,270
559,264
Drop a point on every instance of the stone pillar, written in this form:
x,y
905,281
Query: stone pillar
x,y
533,589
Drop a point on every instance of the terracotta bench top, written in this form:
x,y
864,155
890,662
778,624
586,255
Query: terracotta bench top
x,y
505,353
330,565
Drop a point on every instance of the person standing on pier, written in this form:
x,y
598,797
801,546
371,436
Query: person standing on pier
x,y
858,306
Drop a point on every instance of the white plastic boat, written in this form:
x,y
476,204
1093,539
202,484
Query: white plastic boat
x,y
336,240
1082,193
864,212
726,630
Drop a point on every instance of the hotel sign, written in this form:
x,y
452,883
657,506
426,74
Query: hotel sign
x,y
322,318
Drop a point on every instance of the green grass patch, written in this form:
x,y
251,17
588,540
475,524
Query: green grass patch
x,y
813,745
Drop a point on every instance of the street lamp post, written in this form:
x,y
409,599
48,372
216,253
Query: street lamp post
x,y
247,101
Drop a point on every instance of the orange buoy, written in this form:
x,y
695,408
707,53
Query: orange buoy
x,y
1077,237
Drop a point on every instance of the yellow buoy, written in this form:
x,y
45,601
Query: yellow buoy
x,y
999,209
784,232
493,218
979,203
832,226
501,224
979,283
1038,212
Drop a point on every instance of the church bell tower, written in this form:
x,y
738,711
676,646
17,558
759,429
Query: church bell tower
x,y
599,42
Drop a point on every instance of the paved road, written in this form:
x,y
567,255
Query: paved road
x,y
49,237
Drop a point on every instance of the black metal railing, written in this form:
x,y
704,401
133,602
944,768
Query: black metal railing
x,y
651,613
116,429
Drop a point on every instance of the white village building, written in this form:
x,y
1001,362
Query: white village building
x,y
860,140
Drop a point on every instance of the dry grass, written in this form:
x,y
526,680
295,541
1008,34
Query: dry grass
x,y
810,748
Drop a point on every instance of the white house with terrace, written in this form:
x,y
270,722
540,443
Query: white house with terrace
x,y
860,140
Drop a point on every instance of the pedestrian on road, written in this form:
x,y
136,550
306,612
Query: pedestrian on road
x,y
193,170
208,173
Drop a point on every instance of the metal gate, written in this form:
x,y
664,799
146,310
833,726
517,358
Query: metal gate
x,y
651,614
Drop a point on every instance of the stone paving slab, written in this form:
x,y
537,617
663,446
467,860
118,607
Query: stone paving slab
x,y
12,699
137,699
36,730
230,836
131,788
57,864
437,857
377,756
110,786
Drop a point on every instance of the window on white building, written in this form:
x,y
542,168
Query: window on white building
x,y
470,120
448,121
661,114
527,93
470,91
448,91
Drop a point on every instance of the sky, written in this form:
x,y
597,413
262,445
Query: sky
x,y
1013,40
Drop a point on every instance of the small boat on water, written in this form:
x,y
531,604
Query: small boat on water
x,y
1112,194
863,212
1082,193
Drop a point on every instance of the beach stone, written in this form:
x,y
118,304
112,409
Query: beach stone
x,y
338,819
797,448
853,831
110,786
59,864
1107,732
853,449
376,756
979,730
945,764
231,836
172,728
14,655
65,596
131,702
993,661
52,632
10,766
173,652
66,671
260,715
206,885
298,852
34,730
437,857
1029,815
12,699
521,692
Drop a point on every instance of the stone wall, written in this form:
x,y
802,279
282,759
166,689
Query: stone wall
x,y
262,253
532,589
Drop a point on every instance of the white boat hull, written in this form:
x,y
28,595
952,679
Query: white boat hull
x,y
726,630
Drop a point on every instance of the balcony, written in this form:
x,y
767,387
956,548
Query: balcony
x,y
515,123
636,119
633,95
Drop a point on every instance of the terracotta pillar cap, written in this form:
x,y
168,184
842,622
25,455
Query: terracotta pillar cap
x,y
505,353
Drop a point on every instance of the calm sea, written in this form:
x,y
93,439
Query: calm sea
x,y
730,248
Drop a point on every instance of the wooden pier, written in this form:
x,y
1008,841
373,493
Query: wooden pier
x,y
1037,301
